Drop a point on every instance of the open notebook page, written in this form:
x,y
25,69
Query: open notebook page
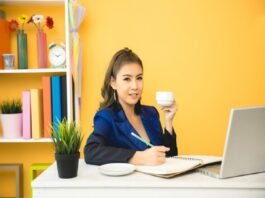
x,y
179,164
172,165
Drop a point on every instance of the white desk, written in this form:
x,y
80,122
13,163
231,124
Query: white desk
x,y
90,183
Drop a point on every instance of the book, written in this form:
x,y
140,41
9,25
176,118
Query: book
x,y
37,113
47,106
63,96
26,115
178,165
56,101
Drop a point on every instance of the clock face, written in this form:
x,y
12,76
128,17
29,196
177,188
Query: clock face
x,y
57,56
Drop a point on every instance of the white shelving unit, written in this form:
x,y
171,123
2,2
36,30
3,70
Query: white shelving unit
x,y
21,140
50,71
31,2
33,71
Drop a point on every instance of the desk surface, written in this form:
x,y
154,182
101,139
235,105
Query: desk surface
x,y
90,181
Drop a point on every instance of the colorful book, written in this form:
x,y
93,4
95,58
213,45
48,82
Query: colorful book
x,y
26,115
37,113
47,106
56,101
63,96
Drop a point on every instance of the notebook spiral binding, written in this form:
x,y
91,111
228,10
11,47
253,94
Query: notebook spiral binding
x,y
188,158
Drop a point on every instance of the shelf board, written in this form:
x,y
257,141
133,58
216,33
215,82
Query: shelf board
x,y
34,71
31,2
21,140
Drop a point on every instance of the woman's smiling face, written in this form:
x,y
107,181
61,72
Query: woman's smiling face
x,y
128,84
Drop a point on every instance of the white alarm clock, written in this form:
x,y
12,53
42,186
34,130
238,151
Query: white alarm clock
x,y
57,55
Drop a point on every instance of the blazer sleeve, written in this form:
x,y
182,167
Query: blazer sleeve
x,y
97,151
170,140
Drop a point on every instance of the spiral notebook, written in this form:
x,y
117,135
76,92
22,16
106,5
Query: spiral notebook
x,y
178,165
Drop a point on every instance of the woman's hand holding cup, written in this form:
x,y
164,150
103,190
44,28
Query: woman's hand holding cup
x,y
169,107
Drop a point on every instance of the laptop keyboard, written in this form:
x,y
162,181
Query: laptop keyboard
x,y
211,170
215,168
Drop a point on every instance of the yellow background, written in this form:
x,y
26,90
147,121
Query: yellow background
x,y
209,53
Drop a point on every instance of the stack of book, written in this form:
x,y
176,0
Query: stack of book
x,y
43,108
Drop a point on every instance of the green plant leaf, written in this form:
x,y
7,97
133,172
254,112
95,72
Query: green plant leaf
x,y
67,139
11,106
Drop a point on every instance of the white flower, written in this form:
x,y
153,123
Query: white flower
x,y
37,18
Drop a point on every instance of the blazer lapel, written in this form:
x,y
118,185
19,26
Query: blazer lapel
x,y
126,128
152,127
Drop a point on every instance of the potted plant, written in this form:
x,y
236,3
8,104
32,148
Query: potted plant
x,y
67,139
11,118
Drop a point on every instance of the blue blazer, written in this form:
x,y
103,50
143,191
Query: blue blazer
x,y
111,140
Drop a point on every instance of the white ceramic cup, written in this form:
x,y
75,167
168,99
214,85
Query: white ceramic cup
x,y
164,98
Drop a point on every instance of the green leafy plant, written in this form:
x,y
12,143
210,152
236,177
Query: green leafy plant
x,y
67,138
11,106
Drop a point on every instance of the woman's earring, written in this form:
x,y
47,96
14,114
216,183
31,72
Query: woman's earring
x,y
114,95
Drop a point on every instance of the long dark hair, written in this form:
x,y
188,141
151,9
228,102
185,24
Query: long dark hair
x,y
120,58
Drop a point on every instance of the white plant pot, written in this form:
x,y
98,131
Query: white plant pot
x,y
12,125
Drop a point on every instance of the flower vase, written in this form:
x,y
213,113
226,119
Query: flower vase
x,y
22,49
42,49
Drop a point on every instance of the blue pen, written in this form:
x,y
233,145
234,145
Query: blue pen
x,y
141,139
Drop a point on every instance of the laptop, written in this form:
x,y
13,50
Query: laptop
x,y
244,151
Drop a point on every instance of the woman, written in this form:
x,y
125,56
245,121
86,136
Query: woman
x,y
122,113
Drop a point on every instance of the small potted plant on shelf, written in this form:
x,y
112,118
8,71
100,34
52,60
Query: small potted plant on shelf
x,y
67,139
11,118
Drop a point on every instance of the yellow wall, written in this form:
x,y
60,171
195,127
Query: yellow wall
x,y
210,53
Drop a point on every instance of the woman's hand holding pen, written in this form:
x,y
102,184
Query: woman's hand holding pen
x,y
169,113
153,156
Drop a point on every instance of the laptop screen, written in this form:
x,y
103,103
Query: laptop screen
x,y
244,151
